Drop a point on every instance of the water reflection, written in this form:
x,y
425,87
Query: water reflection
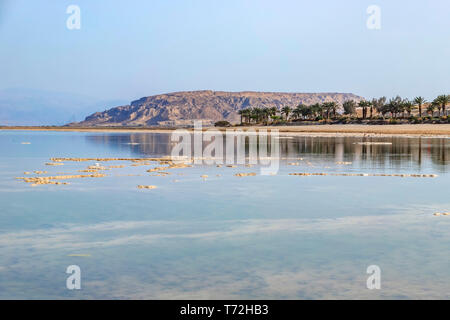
x,y
265,237
379,153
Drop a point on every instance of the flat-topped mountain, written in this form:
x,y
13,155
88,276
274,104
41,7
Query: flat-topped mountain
x,y
180,108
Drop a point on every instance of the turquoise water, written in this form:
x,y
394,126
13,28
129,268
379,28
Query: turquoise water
x,y
272,237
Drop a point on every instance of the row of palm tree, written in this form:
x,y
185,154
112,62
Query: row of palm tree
x,y
257,115
395,106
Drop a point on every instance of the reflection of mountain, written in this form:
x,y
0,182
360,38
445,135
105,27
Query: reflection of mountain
x,y
141,144
37,107
403,153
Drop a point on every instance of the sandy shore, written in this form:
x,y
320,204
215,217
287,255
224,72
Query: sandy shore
x,y
327,130
426,130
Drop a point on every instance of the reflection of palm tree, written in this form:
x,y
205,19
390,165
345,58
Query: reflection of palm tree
x,y
419,101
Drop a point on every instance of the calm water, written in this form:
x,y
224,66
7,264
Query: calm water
x,y
275,237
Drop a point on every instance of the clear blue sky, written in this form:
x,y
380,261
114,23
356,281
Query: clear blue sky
x,y
130,49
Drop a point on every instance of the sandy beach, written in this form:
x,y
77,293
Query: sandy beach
x,y
327,130
425,130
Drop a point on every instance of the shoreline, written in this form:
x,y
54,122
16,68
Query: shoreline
x,y
414,130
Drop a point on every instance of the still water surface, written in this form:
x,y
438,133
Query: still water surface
x,y
274,237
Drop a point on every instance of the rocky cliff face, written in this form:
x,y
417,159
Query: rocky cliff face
x,y
180,108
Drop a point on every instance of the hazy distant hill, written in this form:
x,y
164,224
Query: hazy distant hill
x,y
179,107
38,107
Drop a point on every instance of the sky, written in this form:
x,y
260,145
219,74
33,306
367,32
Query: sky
x,y
130,49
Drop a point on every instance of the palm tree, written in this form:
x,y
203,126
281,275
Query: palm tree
x,y
259,115
316,109
436,104
330,107
378,105
349,107
324,107
241,113
255,114
373,105
395,106
369,105
431,107
407,105
364,104
297,112
266,114
383,109
420,101
270,113
304,111
273,111
309,111
245,115
333,106
286,110
251,114
443,100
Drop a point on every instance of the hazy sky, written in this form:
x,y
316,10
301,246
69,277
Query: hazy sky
x,y
130,49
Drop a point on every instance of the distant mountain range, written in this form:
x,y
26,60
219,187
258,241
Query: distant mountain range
x,y
179,108
38,107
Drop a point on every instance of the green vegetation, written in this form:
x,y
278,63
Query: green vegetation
x,y
378,111
222,123
419,101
